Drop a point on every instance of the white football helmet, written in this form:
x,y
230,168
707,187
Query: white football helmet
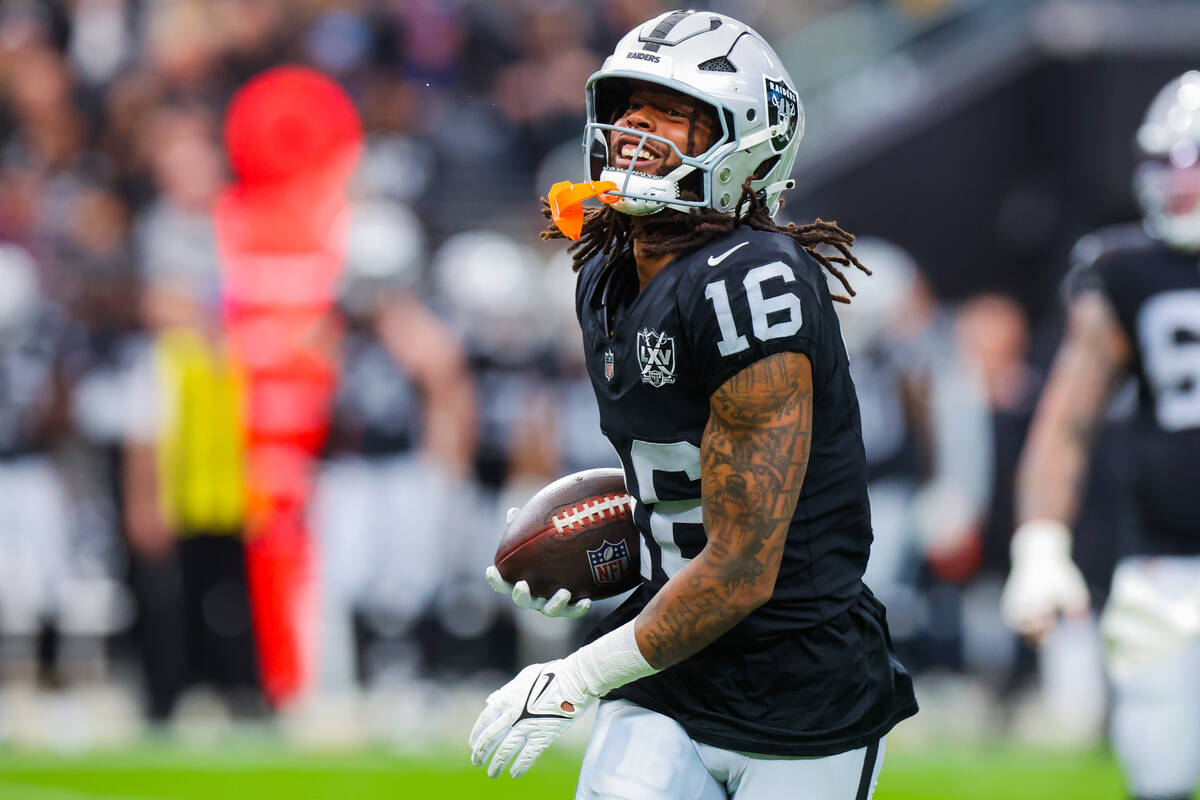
x,y
1167,181
724,64
385,251
872,317
489,287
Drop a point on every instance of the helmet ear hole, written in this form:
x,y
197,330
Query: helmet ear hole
x,y
764,169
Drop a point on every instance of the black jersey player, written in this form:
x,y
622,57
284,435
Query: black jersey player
x,y
752,660
1134,310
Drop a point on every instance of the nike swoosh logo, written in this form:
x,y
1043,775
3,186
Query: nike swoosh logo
x,y
529,713
714,260
529,703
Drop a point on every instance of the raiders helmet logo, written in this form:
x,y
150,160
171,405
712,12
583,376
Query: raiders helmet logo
x,y
783,106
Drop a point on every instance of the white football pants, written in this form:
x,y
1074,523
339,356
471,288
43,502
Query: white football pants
x,y
1152,630
637,754
40,578
379,528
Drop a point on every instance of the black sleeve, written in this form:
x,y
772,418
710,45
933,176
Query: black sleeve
x,y
747,310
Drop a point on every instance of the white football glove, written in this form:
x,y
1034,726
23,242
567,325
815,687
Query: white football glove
x,y
557,605
525,716
1044,581
1149,616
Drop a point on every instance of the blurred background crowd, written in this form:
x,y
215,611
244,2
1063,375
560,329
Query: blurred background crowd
x,y
968,143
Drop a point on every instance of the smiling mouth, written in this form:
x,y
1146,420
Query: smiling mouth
x,y
624,151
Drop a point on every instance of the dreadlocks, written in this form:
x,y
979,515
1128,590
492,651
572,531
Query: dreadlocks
x,y
610,232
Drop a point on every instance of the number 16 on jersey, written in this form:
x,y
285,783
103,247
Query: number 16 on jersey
x,y
732,341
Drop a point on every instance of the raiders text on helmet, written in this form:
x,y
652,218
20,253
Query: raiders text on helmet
x,y
729,67
1167,181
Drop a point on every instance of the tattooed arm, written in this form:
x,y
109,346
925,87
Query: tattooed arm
x,y
753,457
1093,358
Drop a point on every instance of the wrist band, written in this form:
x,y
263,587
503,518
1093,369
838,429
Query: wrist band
x,y
612,660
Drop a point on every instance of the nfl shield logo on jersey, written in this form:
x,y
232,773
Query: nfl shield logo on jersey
x,y
609,365
656,354
609,562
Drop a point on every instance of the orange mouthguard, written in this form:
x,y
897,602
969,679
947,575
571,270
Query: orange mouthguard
x,y
566,203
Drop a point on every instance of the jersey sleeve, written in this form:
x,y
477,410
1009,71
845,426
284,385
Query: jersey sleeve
x,y
743,312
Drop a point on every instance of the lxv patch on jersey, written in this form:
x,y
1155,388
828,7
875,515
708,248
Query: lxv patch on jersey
x,y
656,356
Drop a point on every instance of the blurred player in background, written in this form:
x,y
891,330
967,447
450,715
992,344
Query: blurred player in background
x,y
1134,296
928,446
752,660
487,286
38,583
401,437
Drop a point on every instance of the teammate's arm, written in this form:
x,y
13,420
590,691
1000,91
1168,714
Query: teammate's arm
x,y
1091,361
422,344
753,458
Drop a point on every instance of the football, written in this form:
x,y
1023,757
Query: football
x,y
576,533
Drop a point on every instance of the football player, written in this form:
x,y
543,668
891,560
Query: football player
x,y
752,659
39,579
487,287
1134,310
399,441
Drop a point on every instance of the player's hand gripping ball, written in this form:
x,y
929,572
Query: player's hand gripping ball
x,y
574,540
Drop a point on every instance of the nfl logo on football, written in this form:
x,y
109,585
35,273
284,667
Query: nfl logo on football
x,y
609,365
609,562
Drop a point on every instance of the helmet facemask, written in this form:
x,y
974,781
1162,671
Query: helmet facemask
x,y
685,186
1167,179
1170,197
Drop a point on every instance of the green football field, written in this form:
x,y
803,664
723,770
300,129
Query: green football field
x,y
266,773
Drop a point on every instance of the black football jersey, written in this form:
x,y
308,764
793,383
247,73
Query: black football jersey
x,y
378,410
811,671
32,355
1155,292
889,435
502,389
